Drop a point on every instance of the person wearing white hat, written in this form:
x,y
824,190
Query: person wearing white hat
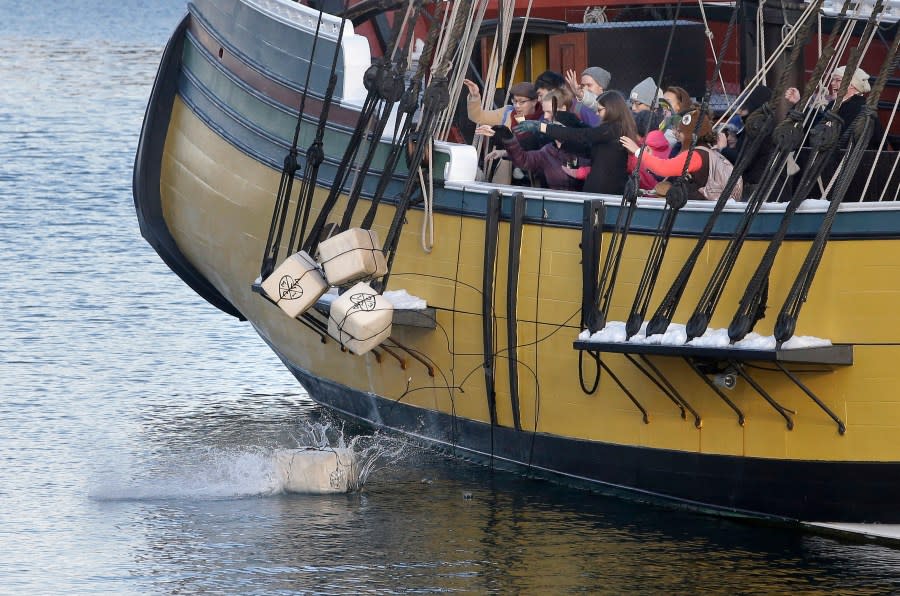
x,y
852,102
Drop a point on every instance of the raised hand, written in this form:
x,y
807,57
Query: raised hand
x,y
574,83
792,94
474,91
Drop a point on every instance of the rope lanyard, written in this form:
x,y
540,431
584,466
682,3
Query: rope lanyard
x,y
676,198
825,141
285,185
861,131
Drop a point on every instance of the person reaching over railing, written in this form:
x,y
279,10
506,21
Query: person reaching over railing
x,y
609,160
549,80
524,106
707,169
551,160
589,86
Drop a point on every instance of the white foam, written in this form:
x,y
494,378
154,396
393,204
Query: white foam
x,y
203,475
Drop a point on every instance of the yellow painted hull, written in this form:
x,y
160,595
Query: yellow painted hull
x,y
223,233
832,460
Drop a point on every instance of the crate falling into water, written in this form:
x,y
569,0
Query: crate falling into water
x,y
360,318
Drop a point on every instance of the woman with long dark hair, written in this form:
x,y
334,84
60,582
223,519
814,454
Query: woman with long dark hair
x,y
608,158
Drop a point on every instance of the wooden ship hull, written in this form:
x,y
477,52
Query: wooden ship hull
x,y
495,368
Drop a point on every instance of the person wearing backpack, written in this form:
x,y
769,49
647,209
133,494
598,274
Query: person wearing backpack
x,y
708,170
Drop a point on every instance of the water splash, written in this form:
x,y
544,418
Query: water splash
x,y
371,452
250,471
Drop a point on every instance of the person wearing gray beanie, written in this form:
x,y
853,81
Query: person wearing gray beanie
x,y
645,93
593,81
645,106
600,76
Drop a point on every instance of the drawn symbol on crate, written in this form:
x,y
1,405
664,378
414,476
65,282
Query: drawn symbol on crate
x,y
362,301
289,288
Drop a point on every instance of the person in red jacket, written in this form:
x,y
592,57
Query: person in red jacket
x,y
700,160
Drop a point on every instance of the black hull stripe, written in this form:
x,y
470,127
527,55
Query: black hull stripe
x,y
787,490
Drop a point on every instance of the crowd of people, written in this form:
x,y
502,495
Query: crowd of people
x,y
575,132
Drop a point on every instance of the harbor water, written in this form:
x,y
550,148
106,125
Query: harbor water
x,y
138,423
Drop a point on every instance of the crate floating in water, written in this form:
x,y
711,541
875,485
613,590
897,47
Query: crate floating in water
x,y
316,471
360,318
296,284
352,256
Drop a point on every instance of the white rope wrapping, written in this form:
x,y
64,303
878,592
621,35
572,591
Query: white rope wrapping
x,y
712,48
428,203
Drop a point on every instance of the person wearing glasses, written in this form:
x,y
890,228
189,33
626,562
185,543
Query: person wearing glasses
x,y
524,106
645,106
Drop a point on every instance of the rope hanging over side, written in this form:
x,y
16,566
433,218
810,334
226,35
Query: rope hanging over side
x,y
676,198
759,127
861,132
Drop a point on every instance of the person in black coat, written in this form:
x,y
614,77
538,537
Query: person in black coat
x,y
608,158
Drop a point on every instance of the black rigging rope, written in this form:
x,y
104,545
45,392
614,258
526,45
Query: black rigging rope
x,y
627,208
825,139
374,82
861,132
406,110
787,138
391,91
289,170
759,127
436,100
315,154
676,198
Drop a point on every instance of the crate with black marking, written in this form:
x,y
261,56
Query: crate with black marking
x,y
360,318
296,284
